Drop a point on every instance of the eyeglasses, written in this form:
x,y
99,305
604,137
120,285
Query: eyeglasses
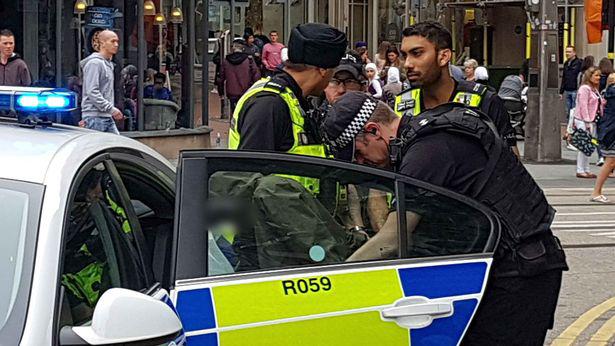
x,y
350,84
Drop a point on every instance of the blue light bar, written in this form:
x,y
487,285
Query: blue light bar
x,y
37,100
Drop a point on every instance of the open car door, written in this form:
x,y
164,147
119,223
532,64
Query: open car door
x,y
278,249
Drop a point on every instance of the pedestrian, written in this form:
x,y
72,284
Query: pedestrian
x,y
362,51
481,76
433,84
97,104
157,90
587,62
13,70
250,47
373,80
469,66
272,114
348,76
393,60
569,86
272,54
589,105
462,153
606,68
606,139
238,72
381,56
392,88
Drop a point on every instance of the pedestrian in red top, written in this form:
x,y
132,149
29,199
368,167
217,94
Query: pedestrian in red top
x,y
272,54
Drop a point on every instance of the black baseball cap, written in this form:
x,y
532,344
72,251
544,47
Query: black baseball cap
x,y
344,120
351,63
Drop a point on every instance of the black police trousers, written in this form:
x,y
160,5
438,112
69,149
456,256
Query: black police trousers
x,y
516,310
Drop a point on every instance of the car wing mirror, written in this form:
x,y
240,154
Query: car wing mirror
x,y
124,316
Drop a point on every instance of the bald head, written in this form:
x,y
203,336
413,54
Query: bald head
x,y
109,43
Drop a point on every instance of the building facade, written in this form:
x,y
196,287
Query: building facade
x,y
178,36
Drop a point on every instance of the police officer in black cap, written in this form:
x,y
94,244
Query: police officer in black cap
x,y
457,147
271,115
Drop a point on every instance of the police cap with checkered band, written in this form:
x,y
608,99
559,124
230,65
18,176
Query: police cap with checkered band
x,y
345,119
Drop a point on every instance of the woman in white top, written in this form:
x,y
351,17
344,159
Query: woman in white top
x,y
374,86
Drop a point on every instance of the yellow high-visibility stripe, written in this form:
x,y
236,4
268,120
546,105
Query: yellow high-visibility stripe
x,y
265,301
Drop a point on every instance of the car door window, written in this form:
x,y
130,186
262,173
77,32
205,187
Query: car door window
x,y
283,249
440,225
277,215
100,249
150,190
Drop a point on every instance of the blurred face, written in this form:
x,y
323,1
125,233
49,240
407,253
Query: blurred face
x,y
570,53
273,37
423,63
371,149
340,84
469,70
364,57
7,45
250,40
109,42
595,80
392,57
371,74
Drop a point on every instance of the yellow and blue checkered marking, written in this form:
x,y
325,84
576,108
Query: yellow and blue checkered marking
x,y
259,313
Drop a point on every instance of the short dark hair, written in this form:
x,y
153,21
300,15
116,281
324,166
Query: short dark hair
x,y
273,32
7,33
160,77
433,31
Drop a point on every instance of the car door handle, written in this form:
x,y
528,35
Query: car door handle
x,y
431,309
416,312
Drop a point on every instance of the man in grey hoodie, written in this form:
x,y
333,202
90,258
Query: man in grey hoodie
x,y
97,103
13,70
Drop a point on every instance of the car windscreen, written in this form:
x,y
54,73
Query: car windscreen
x,y
19,216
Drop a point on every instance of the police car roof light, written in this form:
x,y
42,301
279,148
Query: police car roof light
x,y
37,100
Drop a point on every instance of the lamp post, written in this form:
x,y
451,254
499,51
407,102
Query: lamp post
x,y
79,9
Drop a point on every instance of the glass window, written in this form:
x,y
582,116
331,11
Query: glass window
x,y
14,216
151,194
264,215
100,250
441,226
20,209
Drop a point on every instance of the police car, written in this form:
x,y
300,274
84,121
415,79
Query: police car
x,y
104,243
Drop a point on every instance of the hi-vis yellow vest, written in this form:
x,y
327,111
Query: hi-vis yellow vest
x,y
300,146
408,102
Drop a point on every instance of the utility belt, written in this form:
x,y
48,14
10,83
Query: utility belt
x,y
531,257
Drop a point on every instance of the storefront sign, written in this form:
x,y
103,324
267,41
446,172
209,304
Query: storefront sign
x,y
102,17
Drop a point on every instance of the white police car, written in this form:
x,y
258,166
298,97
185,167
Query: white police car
x,y
104,244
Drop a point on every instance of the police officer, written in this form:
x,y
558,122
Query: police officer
x,y
455,147
426,50
271,114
